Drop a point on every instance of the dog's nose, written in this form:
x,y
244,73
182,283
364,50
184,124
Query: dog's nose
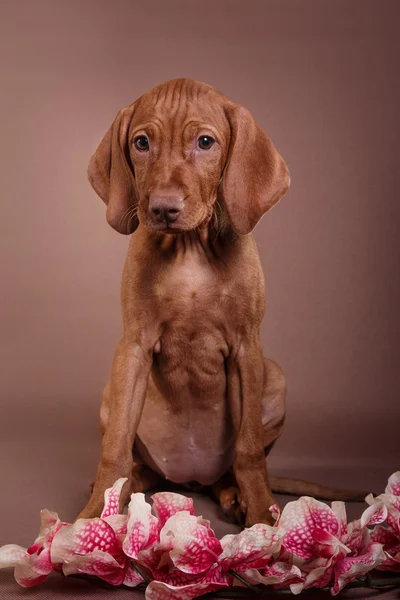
x,y
165,208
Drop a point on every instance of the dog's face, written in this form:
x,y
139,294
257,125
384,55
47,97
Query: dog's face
x,y
177,148
171,155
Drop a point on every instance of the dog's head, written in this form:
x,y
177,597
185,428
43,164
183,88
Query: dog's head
x,y
179,151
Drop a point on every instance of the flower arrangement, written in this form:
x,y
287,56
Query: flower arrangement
x,y
174,554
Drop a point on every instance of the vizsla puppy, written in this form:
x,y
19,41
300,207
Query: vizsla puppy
x,y
191,397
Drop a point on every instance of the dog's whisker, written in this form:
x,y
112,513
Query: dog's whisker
x,y
123,216
131,217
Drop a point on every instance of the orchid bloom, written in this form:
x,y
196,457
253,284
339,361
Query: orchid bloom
x,y
90,546
94,546
185,561
324,547
310,545
33,565
390,536
192,561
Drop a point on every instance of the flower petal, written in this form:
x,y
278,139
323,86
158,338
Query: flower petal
x,y
30,569
319,576
167,504
118,523
339,509
275,512
98,564
111,498
249,545
276,573
393,484
180,586
142,528
374,514
298,521
330,544
383,535
83,537
12,555
392,563
49,525
192,543
351,567
34,570
132,577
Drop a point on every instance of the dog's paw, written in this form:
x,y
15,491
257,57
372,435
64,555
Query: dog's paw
x,y
261,513
233,505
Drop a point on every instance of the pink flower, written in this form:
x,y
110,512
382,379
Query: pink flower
x,y
256,555
193,561
251,548
324,547
95,546
185,561
33,565
181,586
390,536
310,545
391,547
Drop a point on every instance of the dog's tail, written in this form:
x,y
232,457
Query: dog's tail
x,y
298,487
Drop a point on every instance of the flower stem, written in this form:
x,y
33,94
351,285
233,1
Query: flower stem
x,y
249,585
140,571
267,591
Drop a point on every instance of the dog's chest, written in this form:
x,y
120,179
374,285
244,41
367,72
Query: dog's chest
x,y
193,309
191,288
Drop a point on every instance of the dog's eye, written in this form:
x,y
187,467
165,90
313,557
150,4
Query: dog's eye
x,y
141,143
205,142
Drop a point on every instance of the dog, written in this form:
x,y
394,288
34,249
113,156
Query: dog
x,y
191,398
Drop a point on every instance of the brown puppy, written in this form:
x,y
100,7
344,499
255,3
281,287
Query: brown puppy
x,y
191,397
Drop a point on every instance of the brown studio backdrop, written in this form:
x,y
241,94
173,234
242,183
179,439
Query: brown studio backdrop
x,y
321,78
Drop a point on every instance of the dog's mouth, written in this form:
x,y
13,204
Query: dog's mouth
x,y
166,227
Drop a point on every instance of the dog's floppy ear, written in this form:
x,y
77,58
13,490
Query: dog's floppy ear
x,y
256,176
111,175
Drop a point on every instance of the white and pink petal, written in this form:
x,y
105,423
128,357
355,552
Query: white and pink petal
x,y
181,586
393,484
319,577
119,523
49,525
277,573
142,527
385,536
191,543
131,577
375,514
97,564
34,570
29,569
111,498
351,567
329,545
83,537
300,519
167,504
339,510
257,542
11,555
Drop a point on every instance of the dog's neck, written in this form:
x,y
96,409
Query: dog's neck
x,y
205,240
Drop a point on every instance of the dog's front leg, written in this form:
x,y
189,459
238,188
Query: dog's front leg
x,y
245,386
128,385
